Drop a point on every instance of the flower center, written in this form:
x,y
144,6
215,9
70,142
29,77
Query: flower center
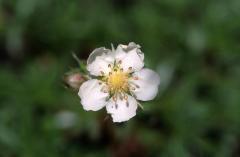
x,y
118,81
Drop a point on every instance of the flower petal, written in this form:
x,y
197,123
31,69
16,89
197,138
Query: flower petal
x,y
99,52
147,83
99,60
120,52
122,110
131,57
92,98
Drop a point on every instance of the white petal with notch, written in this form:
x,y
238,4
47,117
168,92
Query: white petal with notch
x,y
130,56
99,60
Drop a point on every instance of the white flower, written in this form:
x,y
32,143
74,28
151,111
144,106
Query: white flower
x,y
120,80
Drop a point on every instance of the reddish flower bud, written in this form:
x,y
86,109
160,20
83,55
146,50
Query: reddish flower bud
x,y
74,80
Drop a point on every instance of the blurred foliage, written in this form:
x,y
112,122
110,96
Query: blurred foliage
x,y
194,45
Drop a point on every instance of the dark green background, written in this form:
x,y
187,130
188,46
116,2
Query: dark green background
x,y
193,44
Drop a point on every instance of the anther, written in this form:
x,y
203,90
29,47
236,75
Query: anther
x,y
127,103
130,68
135,78
103,90
109,65
110,73
121,69
137,86
102,72
116,106
114,99
120,62
100,83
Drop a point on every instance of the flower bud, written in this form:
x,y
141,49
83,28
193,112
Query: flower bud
x,y
74,80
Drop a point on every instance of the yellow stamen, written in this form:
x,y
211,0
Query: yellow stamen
x,y
118,81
